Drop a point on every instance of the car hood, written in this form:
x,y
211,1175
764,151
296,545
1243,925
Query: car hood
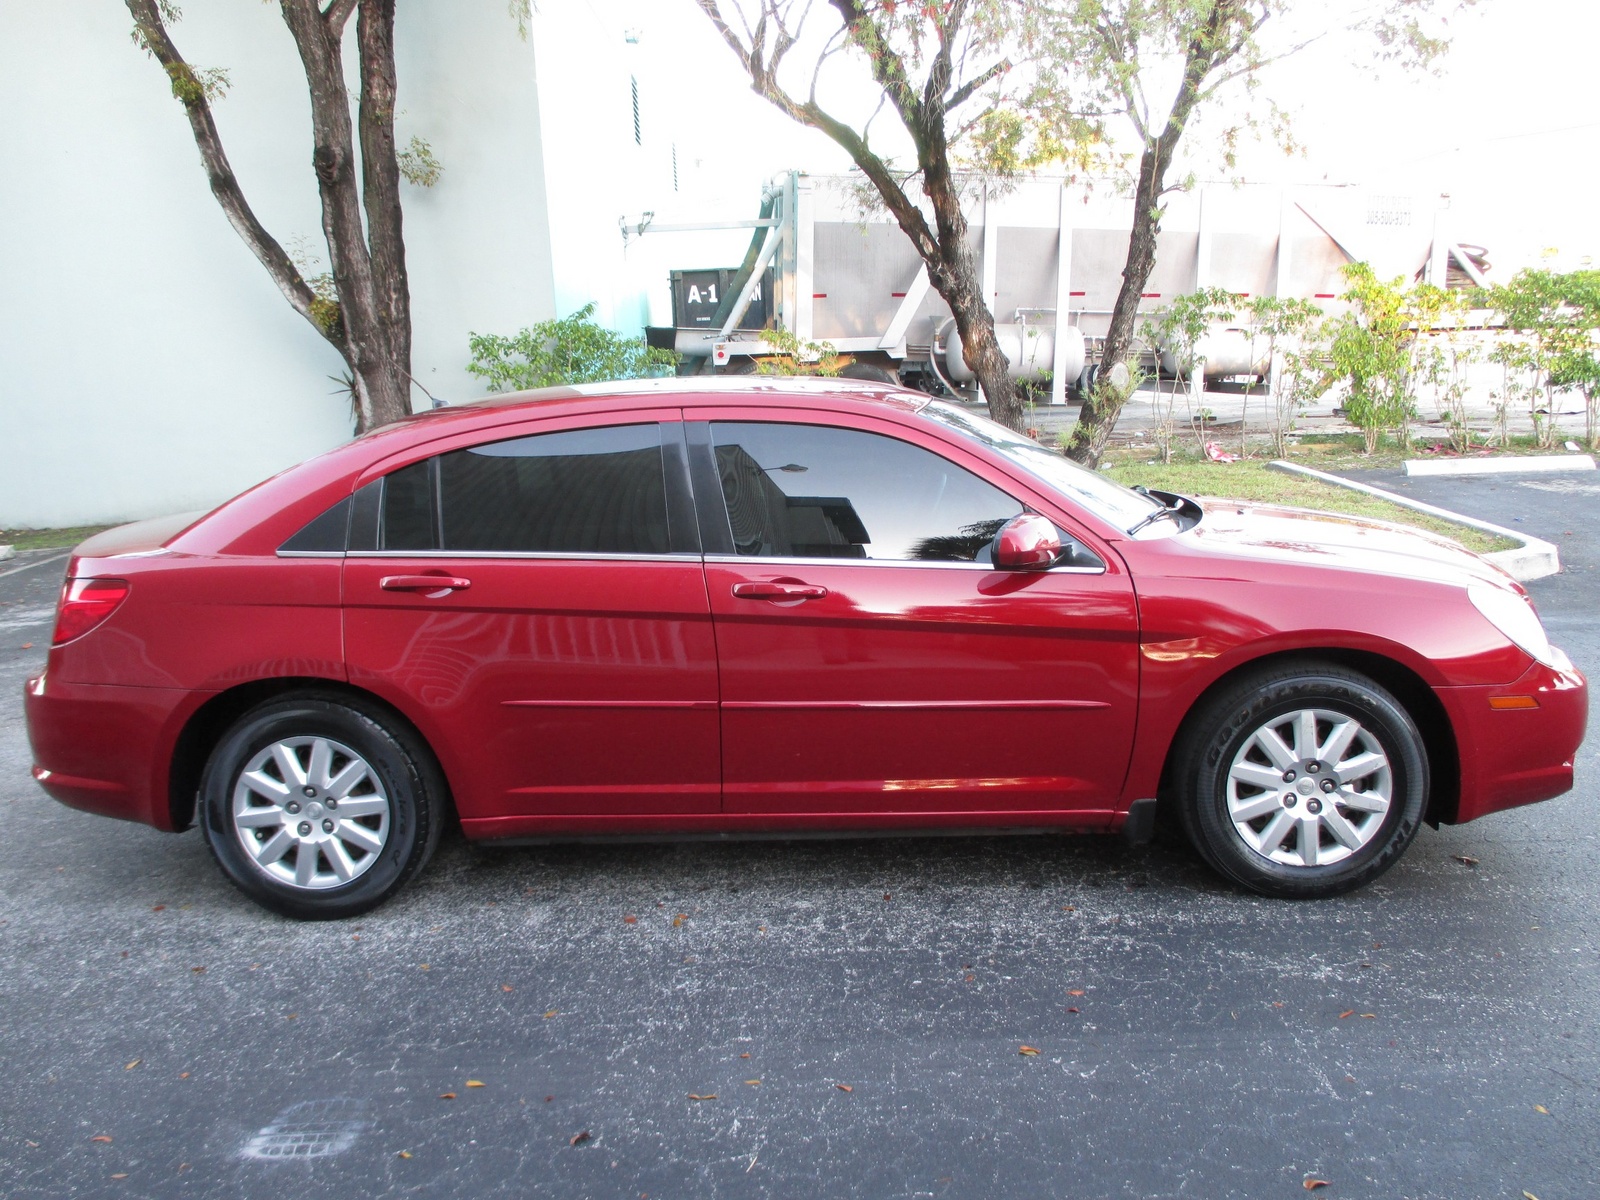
x,y
1335,541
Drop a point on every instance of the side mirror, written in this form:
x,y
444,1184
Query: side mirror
x,y
1027,542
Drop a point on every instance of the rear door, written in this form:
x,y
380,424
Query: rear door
x,y
871,661
538,601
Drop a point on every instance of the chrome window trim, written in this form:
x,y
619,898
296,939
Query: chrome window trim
x,y
750,560
311,553
536,555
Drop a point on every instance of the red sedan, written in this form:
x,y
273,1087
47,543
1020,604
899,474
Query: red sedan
x,y
792,607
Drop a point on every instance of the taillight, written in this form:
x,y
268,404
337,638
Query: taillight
x,y
84,604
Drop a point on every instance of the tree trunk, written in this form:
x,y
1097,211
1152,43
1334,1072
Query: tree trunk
x,y
380,180
1104,403
956,278
380,386
1102,407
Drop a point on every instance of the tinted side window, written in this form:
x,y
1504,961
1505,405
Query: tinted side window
x,y
813,491
407,519
595,491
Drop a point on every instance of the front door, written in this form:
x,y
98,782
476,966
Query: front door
x,y
872,663
538,602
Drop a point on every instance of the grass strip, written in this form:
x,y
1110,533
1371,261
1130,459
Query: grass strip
x,y
1251,480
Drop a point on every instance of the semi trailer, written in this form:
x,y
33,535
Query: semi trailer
x,y
833,267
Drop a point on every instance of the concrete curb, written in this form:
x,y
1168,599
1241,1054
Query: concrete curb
x,y
1519,465
1533,559
7,552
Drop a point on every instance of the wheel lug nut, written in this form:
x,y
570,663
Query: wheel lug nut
x,y
330,804
305,828
1314,806
1313,768
293,806
1327,785
1290,799
327,826
1288,776
310,791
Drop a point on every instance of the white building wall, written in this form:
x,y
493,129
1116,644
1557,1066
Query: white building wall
x,y
147,362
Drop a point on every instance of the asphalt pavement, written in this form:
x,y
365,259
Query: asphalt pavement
x,y
788,1019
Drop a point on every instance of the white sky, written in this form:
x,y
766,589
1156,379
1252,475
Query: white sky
x,y
1508,128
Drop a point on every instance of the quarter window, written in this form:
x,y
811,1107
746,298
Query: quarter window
x,y
815,491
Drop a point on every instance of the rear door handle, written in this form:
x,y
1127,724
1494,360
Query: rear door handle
x,y
776,590
435,585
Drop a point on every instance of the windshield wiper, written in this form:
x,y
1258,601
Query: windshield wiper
x,y
1166,510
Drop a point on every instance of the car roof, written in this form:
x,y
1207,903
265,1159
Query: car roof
x,y
694,391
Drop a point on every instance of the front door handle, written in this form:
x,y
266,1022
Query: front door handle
x,y
434,585
779,590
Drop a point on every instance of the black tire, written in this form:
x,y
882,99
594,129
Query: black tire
x,y
1223,768
398,800
869,372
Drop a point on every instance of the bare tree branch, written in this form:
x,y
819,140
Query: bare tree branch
x,y
151,33
964,93
336,14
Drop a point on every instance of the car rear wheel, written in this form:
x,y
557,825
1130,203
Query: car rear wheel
x,y
317,808
1303,782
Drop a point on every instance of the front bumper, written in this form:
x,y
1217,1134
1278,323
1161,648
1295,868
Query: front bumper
x,y
1516,756
106,749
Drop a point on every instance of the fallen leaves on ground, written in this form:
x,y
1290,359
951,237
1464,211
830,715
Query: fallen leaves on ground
x,y
506,987
1028,1051
1073,1010
1465,860
1312,1185
1074,991
844,1087
101,1137
133,1064
630,920
405,1154
1529,1196
1369,1016
746,1054
474,1083
578,1139
447,1095
1539,1108
159,908
753,1082
710,1096
120,1175
679,919
1349,1012
551,1013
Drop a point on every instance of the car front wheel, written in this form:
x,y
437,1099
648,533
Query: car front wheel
x,y
1303,782
319,809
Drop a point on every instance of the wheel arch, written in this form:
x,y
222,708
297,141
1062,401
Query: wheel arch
x,y
1413,692
208,723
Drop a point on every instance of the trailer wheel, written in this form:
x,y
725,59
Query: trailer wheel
x,y
739,366
861,370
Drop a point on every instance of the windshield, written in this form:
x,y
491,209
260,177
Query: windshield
x,y
1111,502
